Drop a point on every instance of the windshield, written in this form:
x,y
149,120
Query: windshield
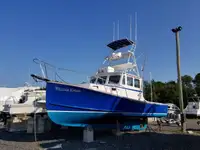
x,y
101,80
92,80
114,79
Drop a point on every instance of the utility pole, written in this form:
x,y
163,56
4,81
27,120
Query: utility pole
x,y
183,118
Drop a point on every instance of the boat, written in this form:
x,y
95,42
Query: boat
x,y
29,103
174,114
12,95
114,92
192,109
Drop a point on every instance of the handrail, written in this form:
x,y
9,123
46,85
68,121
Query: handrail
x,y
44,65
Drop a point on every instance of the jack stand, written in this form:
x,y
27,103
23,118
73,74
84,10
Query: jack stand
x,y
159,123
149,129
118,132
88,134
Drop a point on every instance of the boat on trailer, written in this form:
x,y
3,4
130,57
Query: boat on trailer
x,y
114,93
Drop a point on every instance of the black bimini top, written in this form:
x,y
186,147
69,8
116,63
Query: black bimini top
x,y
115,45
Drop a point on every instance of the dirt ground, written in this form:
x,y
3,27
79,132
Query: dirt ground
x,y
169,139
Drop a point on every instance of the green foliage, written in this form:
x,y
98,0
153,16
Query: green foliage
x,y
167,92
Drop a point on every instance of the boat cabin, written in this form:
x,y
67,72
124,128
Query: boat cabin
x,y
120,79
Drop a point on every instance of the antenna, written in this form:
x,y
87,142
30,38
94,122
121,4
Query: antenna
x,y
135,27
142,72
29,77
130,27
118,29
113,31
144,63
150,77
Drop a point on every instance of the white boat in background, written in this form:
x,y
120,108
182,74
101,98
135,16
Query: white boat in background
x,y
12,95
19,101
31,101
193,107
173,115
173,109
173,112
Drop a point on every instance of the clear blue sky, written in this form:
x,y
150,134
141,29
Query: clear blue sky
x,y
74,33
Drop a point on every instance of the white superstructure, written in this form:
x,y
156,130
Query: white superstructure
x,y
193,107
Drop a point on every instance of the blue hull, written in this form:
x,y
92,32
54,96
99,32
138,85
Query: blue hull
x,y
69,105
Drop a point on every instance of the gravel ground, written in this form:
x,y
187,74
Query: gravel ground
x,y
169,139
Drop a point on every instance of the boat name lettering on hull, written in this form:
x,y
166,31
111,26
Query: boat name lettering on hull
x,y
67,89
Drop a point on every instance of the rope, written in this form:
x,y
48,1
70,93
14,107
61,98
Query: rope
x,y
70,70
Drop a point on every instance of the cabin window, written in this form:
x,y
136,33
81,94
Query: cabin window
x,y
101,80
114,79
92,80
129,81
137,83
123,80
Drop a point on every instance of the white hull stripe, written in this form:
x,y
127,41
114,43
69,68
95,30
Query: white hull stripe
x,y
62,111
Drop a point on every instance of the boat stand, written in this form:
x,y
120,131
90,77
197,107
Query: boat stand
x,y
88,134
117,131
150,129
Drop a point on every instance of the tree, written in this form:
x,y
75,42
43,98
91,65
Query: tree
x,y
187,80
197,80
147,90
171,93
197,83
187,88
168,92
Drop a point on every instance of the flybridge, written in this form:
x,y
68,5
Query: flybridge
x,y
119,55
129,65
116,55
118,44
